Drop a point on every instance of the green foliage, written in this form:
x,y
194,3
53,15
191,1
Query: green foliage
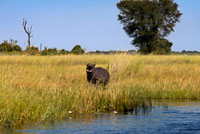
x,y
10,46
49,51
45,51
54,51
147,22
163,47
63,51
17,48
32,50
77,50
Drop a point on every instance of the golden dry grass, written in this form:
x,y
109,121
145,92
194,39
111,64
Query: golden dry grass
x,y
37,88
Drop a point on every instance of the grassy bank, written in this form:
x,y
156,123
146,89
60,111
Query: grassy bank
x,y
36,88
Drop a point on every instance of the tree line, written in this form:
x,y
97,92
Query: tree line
x,y
11,47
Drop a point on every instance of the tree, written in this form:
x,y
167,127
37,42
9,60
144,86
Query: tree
x,y
148,22
77,50
163,46
27,31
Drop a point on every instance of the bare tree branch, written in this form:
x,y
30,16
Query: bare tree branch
x,y
27,31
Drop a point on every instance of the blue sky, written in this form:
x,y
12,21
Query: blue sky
x,y
91,23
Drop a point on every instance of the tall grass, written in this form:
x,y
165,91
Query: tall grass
x,y
36,88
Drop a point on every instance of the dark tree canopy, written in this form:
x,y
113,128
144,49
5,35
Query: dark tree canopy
x,y
77,50
148,22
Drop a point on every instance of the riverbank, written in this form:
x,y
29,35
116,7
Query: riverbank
x,y
37,88
182,115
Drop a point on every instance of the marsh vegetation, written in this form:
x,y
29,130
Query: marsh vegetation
x,y
37,88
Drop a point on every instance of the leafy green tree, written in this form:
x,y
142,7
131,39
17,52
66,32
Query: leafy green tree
x,y
77,50
148,22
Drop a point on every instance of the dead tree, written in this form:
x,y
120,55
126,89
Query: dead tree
x,y
27,31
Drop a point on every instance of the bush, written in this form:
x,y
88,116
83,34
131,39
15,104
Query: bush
x,y
77,50
54,51
10,46
32,50
17,48
49,51
63,51
45,51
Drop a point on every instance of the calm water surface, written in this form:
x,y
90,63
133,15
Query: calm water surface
x,y
180,119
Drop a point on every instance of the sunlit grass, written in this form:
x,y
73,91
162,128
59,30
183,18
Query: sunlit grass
x,y
37,88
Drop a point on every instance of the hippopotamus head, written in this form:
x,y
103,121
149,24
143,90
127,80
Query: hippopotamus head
x,y
90,68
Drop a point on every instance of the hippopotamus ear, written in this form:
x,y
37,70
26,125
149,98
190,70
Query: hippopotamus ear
x,y
90,65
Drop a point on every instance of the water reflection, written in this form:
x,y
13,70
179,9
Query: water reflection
x,y
178,117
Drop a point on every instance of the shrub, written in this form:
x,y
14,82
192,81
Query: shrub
x,y
49,51
10,46
63,51
52,51
32,50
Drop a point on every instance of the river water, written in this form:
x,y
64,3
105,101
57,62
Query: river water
x,y
182,118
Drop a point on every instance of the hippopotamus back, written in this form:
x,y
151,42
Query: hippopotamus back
x,y
97,75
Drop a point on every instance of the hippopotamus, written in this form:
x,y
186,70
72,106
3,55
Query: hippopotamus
x,y
97,75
